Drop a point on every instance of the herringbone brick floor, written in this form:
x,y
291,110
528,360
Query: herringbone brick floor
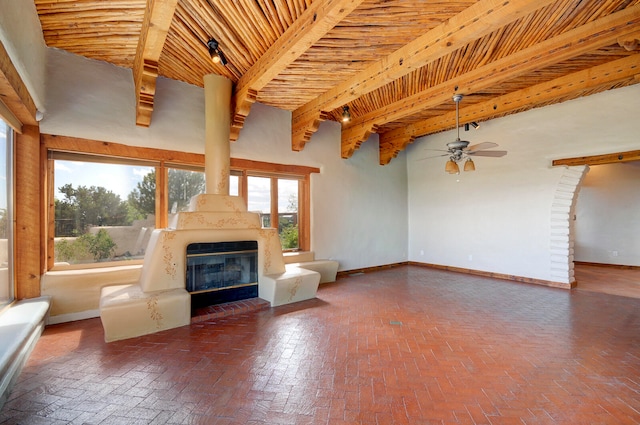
x,y
407,345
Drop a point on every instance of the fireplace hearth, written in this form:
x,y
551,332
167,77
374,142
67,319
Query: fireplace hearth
x,y
220,272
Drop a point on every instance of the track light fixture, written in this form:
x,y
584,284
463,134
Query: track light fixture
x,y
473,124
346,115
216,54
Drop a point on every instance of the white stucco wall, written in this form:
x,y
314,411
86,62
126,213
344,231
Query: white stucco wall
x,y
21,36
608,215
359,209
96,100
498,218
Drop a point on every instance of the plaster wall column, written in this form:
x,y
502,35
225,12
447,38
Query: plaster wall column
x,y
217,151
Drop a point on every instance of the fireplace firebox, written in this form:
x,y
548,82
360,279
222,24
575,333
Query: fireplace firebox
x,y
219,272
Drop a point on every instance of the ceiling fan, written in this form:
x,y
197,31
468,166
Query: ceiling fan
x,y
460,149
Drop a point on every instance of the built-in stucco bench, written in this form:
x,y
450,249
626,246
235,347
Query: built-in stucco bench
x,y
127,311
75,293
20,327
305,260
295,284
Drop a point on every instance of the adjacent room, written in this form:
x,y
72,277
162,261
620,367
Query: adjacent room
x,y
319,211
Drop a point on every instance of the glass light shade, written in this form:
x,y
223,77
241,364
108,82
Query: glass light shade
x,y
469,165
451,167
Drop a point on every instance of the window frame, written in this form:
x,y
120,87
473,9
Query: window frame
x,y
163,160
11,239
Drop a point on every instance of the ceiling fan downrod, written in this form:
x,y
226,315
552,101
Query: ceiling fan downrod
x,y
457,98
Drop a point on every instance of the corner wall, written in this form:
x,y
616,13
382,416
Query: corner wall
x,y
498,218
608,215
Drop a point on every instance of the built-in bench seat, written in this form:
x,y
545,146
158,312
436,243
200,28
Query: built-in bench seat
x,y
305,259
20,327
295,284
75,293
127,311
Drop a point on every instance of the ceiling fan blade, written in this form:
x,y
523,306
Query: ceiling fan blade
x,y
493,154
435,156
481,146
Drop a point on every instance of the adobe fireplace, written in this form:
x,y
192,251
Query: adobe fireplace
x,y
162,297
219,272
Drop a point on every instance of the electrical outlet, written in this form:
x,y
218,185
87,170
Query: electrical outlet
x,y
421,252
614,253
470,257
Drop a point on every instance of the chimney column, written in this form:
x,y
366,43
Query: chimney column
x,y
217,150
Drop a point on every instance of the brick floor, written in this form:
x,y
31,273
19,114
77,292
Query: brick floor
x,y
407,345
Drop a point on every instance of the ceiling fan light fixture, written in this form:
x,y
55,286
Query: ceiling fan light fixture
x,y
346,115
469,165
214,51
451,167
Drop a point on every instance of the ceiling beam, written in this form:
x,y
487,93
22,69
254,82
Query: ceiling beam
x,y
16,104
573,43
591,36
610,158
392,142
472,23
314,23
157,20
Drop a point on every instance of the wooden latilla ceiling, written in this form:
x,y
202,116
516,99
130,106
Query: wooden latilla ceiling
x,y
395,63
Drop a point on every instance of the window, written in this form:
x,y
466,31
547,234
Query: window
x,y
6,214
103,211
259,198
234,184
184,185
104,201
288,213
276,200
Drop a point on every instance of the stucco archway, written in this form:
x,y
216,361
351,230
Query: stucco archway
x,y
563,210
562,235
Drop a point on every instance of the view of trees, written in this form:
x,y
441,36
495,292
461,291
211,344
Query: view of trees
x,y
288,225
84,207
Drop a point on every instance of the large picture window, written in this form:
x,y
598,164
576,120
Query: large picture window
x,y
6,214
104,211
105,200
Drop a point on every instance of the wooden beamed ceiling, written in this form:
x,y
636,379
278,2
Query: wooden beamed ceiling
x,y
395,63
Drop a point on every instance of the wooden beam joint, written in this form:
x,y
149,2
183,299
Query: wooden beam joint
x,y
302,131
352,137
391,146
630,42
157,20
145,92
241,108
